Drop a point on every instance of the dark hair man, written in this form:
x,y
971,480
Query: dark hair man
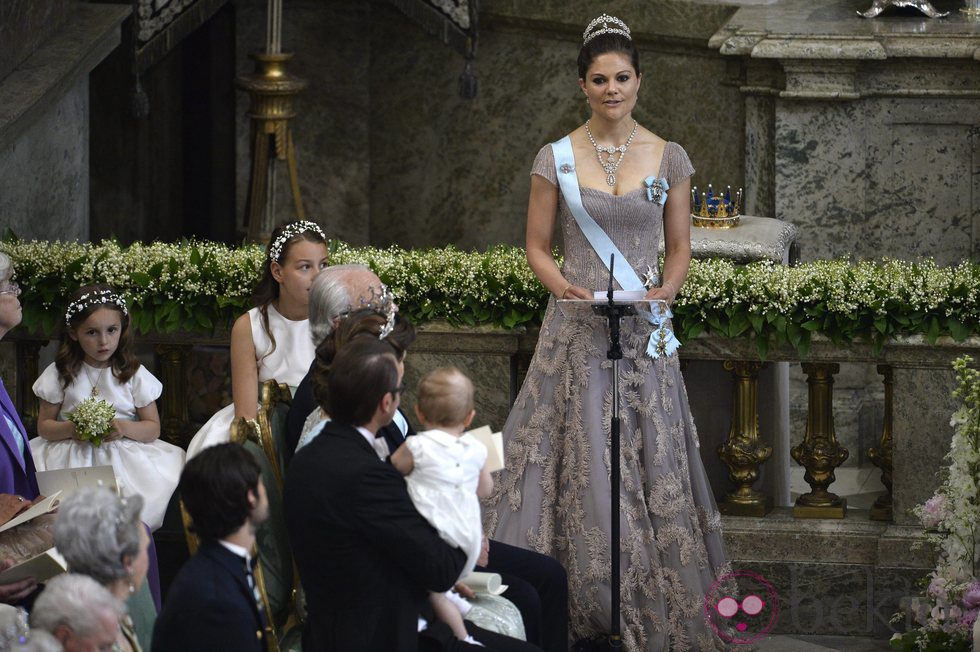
x,y
213,603
367,558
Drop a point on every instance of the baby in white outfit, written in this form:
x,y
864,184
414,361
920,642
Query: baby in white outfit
x,y
446,473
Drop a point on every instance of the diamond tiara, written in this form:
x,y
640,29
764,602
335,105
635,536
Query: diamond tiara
x,y
619,27
382,301
292,230
94,298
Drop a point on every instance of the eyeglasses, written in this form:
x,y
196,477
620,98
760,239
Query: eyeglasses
x,y
398,390
10,288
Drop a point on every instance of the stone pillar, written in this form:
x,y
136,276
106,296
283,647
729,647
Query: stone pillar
x,y
923,404
874,136
44,121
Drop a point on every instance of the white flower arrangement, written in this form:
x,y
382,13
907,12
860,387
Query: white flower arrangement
x,y
200,286
93,419
946,615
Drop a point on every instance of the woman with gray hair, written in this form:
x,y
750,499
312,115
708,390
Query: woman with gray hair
x,y
78,612
17,475
100,535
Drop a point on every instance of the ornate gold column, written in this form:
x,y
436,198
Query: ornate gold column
x,y
173,413
881,455
271,90
742,453
820,453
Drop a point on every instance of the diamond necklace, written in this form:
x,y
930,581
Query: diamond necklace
x,y
610,165
95,385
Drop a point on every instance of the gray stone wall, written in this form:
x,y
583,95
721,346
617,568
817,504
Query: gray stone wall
x,y
44,188
330,40
390,153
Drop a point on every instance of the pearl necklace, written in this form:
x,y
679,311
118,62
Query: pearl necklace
x,y
610,165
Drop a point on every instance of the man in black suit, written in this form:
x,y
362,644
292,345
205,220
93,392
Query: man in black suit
x,y
213,603
537,584
366,557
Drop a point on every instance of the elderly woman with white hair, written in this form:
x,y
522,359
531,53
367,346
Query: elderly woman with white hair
x,y
78,612
335,292
100,535
17,474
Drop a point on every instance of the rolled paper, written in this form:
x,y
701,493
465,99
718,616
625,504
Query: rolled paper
x,y
485,583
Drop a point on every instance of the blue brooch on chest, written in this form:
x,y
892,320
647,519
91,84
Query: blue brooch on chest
x,y
656,189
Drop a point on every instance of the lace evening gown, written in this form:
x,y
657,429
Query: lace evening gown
x,y
554,495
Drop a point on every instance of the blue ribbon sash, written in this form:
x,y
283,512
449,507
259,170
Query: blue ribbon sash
x,y
662,341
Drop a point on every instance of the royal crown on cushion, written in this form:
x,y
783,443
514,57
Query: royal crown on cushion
x,y
719,210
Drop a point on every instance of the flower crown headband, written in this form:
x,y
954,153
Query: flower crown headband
x,y
382,301
619,27
292,230
94,298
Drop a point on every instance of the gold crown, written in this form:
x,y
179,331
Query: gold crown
x,y
721,210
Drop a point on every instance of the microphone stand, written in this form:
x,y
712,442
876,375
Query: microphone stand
x,y
614,312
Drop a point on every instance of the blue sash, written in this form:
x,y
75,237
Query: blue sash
x,y
662,341
599,239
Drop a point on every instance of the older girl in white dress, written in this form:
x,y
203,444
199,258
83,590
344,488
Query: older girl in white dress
x,y
95,360
446,474
272,340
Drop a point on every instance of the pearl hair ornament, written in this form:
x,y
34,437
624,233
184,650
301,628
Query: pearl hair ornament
x,y
94,298
292,230
619,27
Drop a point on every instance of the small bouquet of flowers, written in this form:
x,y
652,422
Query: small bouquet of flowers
x,y
93,419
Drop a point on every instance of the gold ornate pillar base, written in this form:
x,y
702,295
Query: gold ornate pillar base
x,y
174,417
28,355
820,453
881,455
742,453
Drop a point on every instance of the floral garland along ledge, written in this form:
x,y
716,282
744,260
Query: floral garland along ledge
x,y
201,286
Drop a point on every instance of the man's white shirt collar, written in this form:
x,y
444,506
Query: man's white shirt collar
x,y
379,444
236,549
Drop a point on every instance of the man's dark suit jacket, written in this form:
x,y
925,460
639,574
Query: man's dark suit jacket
x,y
210,606
304,403
367,558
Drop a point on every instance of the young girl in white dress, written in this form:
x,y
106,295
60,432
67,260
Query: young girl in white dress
x,y
95,359
446,474
272,340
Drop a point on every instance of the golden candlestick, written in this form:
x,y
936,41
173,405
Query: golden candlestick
x,y
743,452
271,90
820,453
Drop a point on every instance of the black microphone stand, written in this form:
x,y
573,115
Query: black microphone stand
x,y
614,312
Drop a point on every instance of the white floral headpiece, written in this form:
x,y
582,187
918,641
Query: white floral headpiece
x,y
292,230
619,27
94,298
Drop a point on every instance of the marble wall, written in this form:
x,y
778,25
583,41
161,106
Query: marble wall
x,y
44,189
331,129
861,132
44,115
390,153
25,25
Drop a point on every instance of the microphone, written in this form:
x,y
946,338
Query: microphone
x,y
612,266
